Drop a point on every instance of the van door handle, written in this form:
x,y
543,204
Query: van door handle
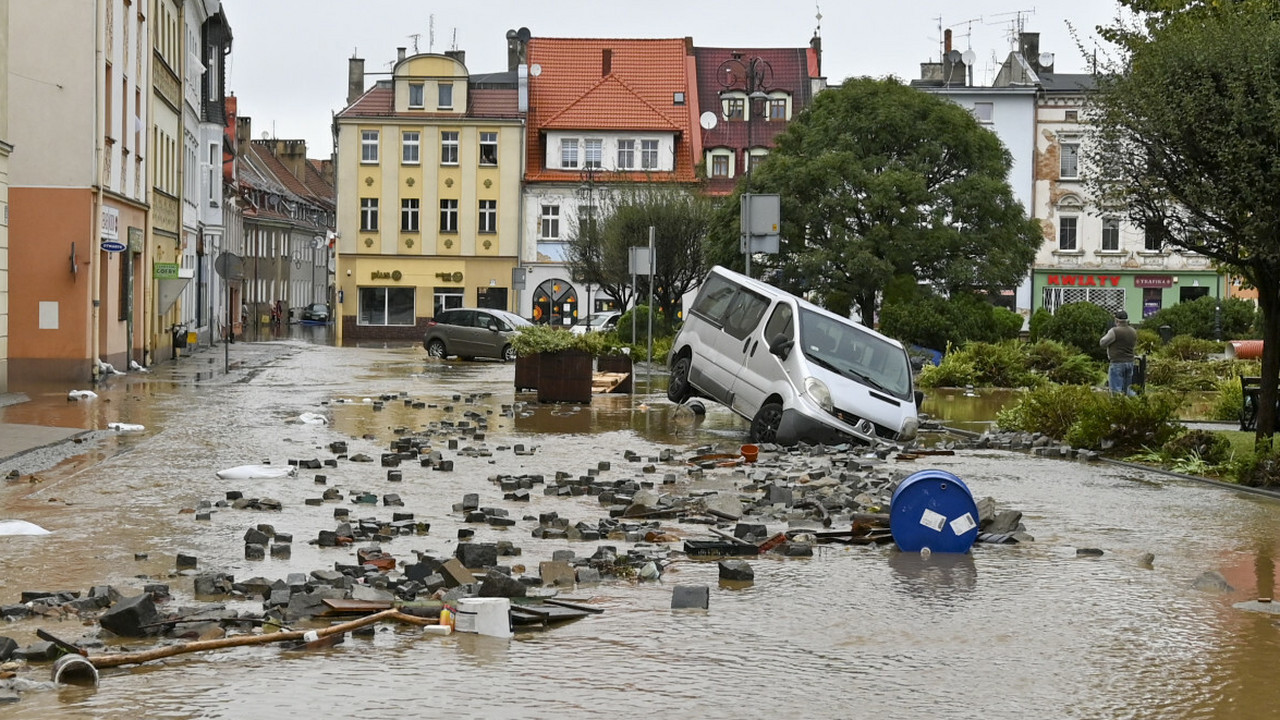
x,y
753,348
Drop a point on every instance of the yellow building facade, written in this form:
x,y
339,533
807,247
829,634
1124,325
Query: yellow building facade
x,y
428,181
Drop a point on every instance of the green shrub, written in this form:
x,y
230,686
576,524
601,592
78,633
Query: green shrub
x,y
1207,447
1125,424
1186,347
1200,318
549,338
1149,342
1062,364
1039,320
1190,375
1261,469
1230,401
933,321
956,370
1048,409
1081,325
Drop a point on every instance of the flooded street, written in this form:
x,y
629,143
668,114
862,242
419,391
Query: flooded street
x,y
1025,631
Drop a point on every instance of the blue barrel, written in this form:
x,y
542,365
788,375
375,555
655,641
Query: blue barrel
x,y
933,509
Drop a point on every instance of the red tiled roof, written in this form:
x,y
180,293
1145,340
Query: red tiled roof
x,y
493,103
609,84
378,100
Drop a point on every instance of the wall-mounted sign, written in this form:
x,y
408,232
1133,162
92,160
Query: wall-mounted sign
x,y
135,239
165,271
450,277
1153,281
1085,280
384,275
113,246
110,223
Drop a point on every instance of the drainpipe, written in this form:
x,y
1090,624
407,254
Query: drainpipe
x,y
95,248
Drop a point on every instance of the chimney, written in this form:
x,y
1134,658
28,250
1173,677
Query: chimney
x,y
517,47
815,42
400,54
355,80
946,41
244,133
459,55
606,62
1029,46
293,155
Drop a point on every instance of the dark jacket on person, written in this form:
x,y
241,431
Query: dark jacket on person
x,y
1119,342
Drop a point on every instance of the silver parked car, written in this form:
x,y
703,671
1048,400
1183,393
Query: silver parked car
x,y
471,333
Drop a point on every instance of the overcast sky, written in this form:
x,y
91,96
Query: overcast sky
x,y
288,65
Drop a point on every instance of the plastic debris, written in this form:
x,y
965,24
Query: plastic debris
x,y
125,427
81,395
21,527
310,418
257,472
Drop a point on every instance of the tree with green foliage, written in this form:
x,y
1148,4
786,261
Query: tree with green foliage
x,y
598,245
1080,325
879,180
1187,141
1205,319
933,321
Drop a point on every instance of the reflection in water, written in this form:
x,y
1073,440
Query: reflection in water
x,y
936,576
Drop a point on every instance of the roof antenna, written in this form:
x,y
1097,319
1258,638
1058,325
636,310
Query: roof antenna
x,y
818,30
431,33
415,37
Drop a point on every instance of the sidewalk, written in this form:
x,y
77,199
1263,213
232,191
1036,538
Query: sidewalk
x,y
17,439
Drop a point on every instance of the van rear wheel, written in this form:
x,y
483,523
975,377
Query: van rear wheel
x,y
764,427
678,387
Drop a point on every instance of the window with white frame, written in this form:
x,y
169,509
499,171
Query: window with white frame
x,y
626,154
409,215
734,108
1110,234
488,216
369,214
549,224
648,154
449,216
416,95
983,111
1068,229
410,143
720,165
449,147
777,109
488,148
368,146
1070,166
1110,299
569,153
386,306
447,298
593,153
445,96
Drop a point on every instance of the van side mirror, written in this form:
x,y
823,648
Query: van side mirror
x,y
781,345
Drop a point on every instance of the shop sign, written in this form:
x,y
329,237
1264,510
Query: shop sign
x,y
384,275
165,271
1153,281
1085,280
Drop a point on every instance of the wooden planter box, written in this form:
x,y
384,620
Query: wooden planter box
x,y
527,371
617,364
565,377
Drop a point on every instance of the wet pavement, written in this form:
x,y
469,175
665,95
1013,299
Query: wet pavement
x,y
1029,631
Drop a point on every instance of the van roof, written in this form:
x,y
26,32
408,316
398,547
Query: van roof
x,y
776,292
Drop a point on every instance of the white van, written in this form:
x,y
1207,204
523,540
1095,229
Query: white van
x,y
796,371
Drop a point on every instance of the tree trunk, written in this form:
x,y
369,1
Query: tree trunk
x,y
867,304
1269,302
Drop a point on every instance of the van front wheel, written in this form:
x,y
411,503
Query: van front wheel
x,y
678,387
764,428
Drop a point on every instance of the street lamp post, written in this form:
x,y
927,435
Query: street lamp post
x,y
751,76
587,199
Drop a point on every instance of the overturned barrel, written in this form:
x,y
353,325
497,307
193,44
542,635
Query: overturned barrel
x,y
74,670
1244,350
933,509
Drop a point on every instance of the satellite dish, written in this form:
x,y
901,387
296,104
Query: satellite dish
x,y
266,135
953,57
969,57
535,69
1046,60
707,120
523,34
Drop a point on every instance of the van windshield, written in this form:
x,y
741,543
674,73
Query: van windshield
x,y
855,353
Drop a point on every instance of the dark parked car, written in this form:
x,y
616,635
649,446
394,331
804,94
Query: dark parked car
x,y
316,312
471,333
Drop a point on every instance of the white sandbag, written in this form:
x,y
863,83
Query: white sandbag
x,y
257,472
134,366
310,418
125,427
21,527
81,395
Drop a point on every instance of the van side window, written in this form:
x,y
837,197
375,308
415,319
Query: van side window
x,y
744,313
714,299
780,323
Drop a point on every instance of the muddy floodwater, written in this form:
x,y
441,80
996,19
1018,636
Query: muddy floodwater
x,y
1025,632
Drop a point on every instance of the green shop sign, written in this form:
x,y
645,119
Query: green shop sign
x,y
164,271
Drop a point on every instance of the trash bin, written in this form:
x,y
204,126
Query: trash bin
x,y
1166,334
179,337
933,509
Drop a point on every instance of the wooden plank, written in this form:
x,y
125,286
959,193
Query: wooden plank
x,y
357,606
574,606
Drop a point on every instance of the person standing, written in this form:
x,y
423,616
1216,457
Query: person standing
x,y
1119,342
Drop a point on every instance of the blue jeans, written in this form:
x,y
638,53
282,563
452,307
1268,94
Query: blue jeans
x,y
1121,377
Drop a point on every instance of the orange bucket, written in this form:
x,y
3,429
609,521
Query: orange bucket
x,y
750,453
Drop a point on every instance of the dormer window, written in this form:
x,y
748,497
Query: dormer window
x,y
445,99
416,95
734,108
